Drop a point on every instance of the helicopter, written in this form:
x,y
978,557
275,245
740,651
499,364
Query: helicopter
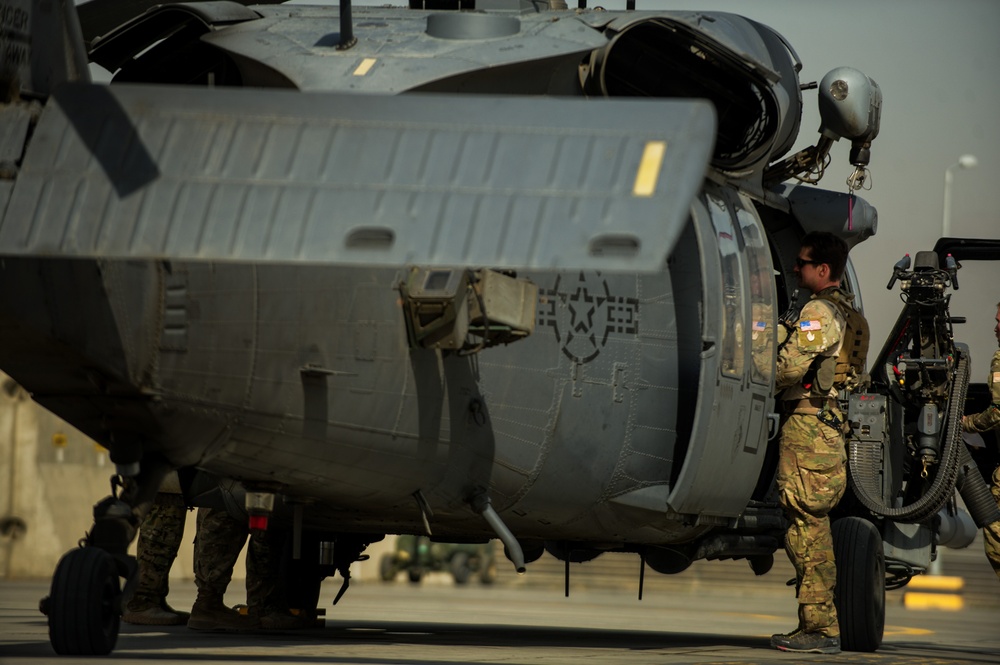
x,y
472,270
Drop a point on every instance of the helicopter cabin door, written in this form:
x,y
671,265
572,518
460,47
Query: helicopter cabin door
x,y
729,431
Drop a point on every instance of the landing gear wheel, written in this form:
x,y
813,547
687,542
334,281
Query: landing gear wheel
x,y
860,594
85,604
459,566
414,575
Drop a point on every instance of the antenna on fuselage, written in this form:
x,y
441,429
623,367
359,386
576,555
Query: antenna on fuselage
x,y
347,38
642,572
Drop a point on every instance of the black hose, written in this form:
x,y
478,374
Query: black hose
x,y
865,463
975,492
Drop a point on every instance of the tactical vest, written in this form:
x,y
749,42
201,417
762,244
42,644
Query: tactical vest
x,y
846,370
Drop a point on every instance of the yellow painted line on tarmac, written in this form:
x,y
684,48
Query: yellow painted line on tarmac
x,y
936,583
768,617
918,600
897,631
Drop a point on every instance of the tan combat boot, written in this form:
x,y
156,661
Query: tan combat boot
x,y
148,612
210,613
273,618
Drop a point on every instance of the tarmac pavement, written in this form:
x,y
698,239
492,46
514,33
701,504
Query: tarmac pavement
x,y
437,622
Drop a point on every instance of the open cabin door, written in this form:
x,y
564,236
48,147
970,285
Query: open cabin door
x,y
729,433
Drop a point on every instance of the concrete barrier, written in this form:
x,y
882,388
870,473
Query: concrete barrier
x,y
51,477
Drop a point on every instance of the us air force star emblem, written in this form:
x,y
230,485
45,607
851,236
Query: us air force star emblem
x,y
582,313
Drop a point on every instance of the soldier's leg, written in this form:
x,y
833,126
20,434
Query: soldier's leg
x,y
812,479
267,603
217,545
263,569
160,537
991,533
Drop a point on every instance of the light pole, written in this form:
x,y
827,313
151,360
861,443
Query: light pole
x,y
964,162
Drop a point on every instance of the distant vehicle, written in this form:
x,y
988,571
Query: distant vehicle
x,y
419,555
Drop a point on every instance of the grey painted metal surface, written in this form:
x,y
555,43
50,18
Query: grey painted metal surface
x,y
401,49
280,176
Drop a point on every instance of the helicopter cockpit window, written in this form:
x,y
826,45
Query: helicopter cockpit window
x,y
762,307
728,240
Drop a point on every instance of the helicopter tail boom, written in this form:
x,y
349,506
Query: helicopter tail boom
x,y
42,48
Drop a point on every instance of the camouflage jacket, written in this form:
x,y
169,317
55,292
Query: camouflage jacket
x,y
990,418
818,331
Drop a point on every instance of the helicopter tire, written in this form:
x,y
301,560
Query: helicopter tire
x,y
459,566
85,604
860,597
414,575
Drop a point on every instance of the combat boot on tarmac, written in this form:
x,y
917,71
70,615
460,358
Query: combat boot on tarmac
x,y
211,614
778,638
272,618
146,612
800,641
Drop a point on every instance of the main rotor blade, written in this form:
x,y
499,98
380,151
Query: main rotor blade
x,y
283,176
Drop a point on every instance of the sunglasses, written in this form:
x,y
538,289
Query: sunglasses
x,y
801,263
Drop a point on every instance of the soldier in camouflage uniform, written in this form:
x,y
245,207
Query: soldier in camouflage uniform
x,y
218,543
986,421
811,469
160,537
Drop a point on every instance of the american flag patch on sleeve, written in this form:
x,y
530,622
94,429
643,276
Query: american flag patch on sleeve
x,y
809,325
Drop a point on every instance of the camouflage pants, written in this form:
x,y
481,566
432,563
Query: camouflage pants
x,y
160,536
811,480
217,545
991,533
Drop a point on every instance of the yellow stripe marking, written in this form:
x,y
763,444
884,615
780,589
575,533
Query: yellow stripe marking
x,y
936,583
649,168
904,630
916,600
365,66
